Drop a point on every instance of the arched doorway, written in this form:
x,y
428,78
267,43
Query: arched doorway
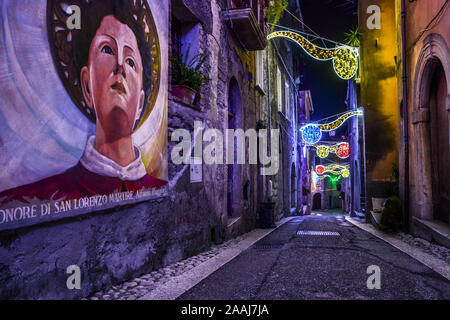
x,y
440,150
317,201
430,119
234,194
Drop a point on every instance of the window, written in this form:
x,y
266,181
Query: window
x,y
176,36
279,91
259,70
287,99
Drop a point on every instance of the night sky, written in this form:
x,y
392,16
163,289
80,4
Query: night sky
x,y
330,20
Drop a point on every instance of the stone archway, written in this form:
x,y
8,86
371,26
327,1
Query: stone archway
x,y
431,136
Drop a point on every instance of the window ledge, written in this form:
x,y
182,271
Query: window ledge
x,y
260,90
181,102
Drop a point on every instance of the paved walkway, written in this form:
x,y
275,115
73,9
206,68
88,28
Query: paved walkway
x,y
171,281
280,264
297,262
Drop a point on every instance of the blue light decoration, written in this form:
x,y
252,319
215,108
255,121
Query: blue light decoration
x,y
311,133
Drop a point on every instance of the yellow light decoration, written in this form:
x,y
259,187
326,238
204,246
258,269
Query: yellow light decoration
x,y
313,132
345,173
345,58
337,169
339,121
323,151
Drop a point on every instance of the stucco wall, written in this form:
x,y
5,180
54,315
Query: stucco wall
x,y
379,95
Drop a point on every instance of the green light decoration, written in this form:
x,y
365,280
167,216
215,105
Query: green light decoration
x,y
334,179
345,58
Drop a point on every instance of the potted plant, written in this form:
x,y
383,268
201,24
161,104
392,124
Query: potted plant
x,y
260,124
391,215
187,78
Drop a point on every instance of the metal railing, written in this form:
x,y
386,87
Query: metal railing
x,y
258,7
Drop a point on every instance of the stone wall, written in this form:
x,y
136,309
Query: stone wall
x,y
427,51
116,245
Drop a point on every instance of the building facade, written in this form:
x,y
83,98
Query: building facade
x,y
379,95
204,204
425,143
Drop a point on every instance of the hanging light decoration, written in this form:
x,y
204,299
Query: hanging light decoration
x,y
345,58
342,150
345,173
339,121
320,169
335,168
322,151
312,132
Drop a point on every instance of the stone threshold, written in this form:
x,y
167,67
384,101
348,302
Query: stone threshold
x,y
438,230
429,260
178,285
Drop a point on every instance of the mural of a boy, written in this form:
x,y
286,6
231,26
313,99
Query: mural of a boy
x,y
111,57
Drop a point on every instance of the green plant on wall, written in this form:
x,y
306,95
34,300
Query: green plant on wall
x,y
391,215
187,72
352,38
275,10
261,124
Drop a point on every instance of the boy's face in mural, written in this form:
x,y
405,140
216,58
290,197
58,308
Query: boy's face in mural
x,y
112,85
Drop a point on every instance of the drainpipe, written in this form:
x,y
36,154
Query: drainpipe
x,y
269,109
405,124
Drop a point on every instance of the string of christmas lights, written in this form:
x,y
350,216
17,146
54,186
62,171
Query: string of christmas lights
x,y
339,121
342,150
312,132
345,58
336,169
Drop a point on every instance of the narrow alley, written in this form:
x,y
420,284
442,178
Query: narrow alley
x,y
238,150
322,256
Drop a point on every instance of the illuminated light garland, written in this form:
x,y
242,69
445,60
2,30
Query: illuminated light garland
x,y
339,121
345,58
345,173
322,151
332,178
312,132
342,150
320,169
334,169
